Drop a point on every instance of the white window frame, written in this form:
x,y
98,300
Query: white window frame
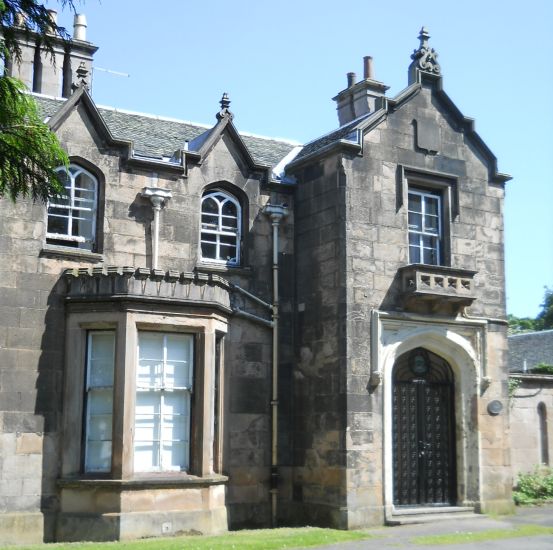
x,y
425,196
75,206
89,389
220,197
162,390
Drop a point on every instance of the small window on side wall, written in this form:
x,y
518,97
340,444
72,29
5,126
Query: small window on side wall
x,y
425,227
72,216
220,228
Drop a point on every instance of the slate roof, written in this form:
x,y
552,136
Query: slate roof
x,y
157,137
336,135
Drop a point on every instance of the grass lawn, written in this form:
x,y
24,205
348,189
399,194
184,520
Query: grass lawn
x,y
266,539
482,536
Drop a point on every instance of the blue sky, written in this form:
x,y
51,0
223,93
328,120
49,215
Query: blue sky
x,y
282,62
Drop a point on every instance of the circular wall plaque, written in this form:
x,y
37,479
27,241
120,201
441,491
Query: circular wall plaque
x,y
495,407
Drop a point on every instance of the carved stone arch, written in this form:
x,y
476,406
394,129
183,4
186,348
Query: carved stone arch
x,y
464,361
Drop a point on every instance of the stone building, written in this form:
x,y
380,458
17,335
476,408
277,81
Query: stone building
x,y
214,329
531,402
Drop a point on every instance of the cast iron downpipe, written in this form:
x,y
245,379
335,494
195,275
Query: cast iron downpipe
x,y
276,214
158,197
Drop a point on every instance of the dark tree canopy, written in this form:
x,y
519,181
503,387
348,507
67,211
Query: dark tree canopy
x,y
29,151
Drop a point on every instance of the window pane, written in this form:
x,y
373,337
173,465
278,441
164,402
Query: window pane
x,y
229,209
99,400
430,256
431,205
178,347
210,222
57,225
228,239
209,237
99,427
229,223
151,346
85,182
175,456
147,428
175,403
228,253
149,374
98,456
209,251
415,203
414,255
415,221
146,456
175,428
210,206
431,224
148,403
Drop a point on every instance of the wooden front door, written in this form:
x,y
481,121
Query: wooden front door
x,y
423,430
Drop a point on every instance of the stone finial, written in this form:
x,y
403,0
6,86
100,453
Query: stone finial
x,y
426,58
82,74
225,104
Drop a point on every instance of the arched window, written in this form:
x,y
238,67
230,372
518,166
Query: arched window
x,y
544,440
220,229
72,217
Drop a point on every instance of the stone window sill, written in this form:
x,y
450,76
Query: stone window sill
x,y
206,267
144,482
75,254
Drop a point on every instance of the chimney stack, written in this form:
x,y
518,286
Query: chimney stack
x,y
40,71
79,27
53,16
368,71
359,98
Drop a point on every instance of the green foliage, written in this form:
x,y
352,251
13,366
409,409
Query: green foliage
x,y
514,383
262,539
521,324
27,16
543,368
29,151
544,319
482,536
534,488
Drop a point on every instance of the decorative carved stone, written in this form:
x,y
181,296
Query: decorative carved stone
x,y
436,288
426,58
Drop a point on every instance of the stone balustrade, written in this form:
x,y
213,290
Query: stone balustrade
x,y
436,287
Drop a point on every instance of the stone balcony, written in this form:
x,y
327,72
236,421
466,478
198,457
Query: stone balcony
x,y
436,289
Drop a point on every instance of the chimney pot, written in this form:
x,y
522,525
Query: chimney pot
x,y
352,78
79,27
53,16
368,71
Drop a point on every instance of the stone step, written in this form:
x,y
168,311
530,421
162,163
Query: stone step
x,y
410,516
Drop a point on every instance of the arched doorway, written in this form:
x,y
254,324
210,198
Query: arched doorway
x,y
423,431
